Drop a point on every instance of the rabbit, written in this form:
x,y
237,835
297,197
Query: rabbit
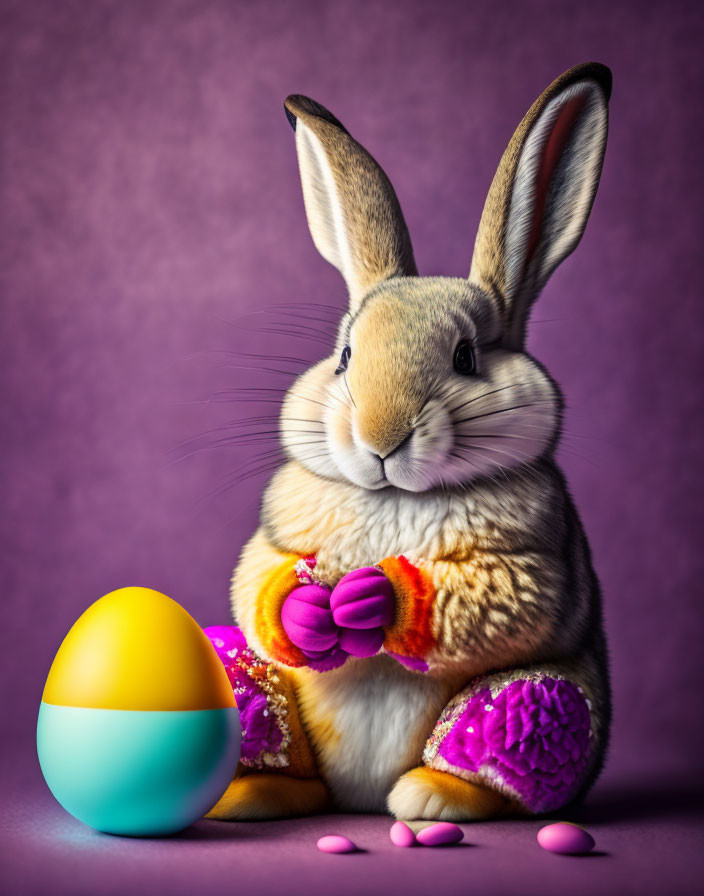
x,y
418,609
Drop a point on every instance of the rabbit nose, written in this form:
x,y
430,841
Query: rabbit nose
x,y
384,445
385,408
387,453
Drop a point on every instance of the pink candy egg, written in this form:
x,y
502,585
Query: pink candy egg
x,y
441,834
336,843
402,835
565,839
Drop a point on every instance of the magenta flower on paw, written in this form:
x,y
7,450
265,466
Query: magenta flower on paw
x,y
531,739
263,722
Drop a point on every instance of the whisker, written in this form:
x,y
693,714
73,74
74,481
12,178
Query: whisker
x,y
219,429
253,356
243,435
349,391
515,407
243,473
310,337
316,311
259,369
484,395
297,324
495,435
317,324
523,458
276,389
240,395
265,459
479,470
300,420
254,439
291,313
308,305
308,332
322,404
245,399
264,469
525,463
469,445
246,439
567,449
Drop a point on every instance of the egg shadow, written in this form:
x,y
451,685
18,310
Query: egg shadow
x,y
211,831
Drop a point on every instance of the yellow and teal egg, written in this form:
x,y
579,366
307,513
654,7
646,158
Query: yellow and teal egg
x,y
138,731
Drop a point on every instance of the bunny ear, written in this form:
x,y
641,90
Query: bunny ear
x,y
353,213
542,193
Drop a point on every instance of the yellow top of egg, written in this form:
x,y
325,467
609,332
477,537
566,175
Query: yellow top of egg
x,y
137,649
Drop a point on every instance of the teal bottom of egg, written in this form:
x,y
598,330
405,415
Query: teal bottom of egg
x,y
137,773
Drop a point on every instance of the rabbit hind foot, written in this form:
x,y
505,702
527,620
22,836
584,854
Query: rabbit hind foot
x,y
427,793
263,796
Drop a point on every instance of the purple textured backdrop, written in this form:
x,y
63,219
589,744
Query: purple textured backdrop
x,y
150,195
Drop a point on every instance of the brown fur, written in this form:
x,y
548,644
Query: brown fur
x,y
489,259
491,523
264,796
373,217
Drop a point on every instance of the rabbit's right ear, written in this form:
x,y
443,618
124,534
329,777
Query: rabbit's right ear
x,y
542,193
354,216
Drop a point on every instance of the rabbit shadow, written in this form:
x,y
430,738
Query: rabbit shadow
x,y
645,800
612,802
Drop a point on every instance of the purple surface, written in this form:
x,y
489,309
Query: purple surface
x,y
647,842
150,195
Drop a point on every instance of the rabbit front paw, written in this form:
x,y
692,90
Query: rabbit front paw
x,y
362,603
330,625
307,620
363,599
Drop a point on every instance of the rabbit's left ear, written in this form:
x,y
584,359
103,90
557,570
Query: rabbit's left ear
x,y
354,216
542,193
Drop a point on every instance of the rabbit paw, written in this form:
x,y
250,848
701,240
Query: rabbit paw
x,y
363,599
307,619
330,626
263,796
427,793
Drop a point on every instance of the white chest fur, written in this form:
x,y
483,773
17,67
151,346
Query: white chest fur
x,y
368,723
348,527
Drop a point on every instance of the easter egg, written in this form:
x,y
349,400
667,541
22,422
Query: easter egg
x,y
565,838
443,833
138,731
336,843
402,835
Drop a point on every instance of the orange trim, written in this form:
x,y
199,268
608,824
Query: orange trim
x,y
276,587
411,632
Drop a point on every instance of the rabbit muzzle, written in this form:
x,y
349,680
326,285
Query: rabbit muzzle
x,y
406,452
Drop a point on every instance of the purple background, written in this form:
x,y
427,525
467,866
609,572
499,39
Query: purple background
x,y
150,196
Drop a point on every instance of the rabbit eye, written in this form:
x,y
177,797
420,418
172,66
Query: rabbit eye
x,y
464,361
344,360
